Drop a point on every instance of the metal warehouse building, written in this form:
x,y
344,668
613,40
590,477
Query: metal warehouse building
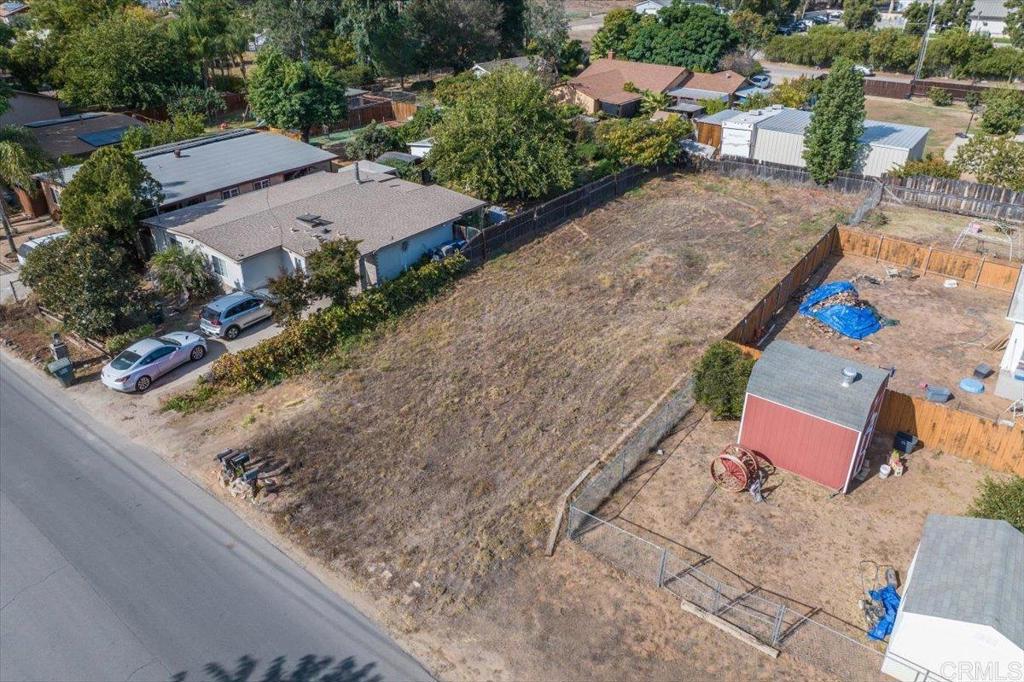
x,y
780,139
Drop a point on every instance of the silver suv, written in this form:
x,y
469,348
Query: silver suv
x,y
228,315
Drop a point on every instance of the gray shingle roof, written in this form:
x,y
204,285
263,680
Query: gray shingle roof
x,y
378,211
211,163
877,133
720,117
811,381
970,570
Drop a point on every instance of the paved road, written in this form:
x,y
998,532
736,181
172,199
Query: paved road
x,y
115,567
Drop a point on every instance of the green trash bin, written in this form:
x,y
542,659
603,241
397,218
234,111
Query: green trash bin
x,y
63,370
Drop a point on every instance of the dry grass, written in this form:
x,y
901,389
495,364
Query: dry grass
x,y
935,228
945,122
439,446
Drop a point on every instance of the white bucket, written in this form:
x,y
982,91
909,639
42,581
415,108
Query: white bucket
x,y
884,471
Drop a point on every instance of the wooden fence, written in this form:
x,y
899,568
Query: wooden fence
x,y
965,267
997,446
959,196
757,322
902,89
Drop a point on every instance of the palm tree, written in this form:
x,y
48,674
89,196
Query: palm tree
x,y
20,158
653,101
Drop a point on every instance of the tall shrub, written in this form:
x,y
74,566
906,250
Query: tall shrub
x,y
720,382
1000,499
832,140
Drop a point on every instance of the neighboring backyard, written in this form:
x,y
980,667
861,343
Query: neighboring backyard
x,y
945,122
939,229
426,459
942,334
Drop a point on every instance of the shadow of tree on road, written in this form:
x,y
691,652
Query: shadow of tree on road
x,y
309,669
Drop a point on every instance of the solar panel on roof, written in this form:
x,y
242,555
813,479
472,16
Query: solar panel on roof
x,y
102,138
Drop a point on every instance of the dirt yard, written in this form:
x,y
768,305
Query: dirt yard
x,y
941,336
940,229
945,122
802,545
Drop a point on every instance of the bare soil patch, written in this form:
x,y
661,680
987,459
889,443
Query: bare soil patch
x,y
941,337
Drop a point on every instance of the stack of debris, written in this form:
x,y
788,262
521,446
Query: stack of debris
x,y
836,307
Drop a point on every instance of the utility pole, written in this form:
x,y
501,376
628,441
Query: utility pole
x,y
924,46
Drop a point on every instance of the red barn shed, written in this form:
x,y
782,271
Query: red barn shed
x,y
812,413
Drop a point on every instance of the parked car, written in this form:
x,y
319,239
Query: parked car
x,y
762,80
138,366
228,315
32,244
863,70
449,249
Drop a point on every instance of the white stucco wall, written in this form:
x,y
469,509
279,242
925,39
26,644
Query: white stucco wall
x,y
393,260
994,27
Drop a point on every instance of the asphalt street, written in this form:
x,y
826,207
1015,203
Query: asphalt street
x,y
113,566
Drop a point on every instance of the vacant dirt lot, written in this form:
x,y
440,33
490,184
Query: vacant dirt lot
x,y
941,336
939,229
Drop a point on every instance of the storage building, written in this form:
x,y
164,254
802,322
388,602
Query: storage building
x,y
812,413
780,139
739,133
962,612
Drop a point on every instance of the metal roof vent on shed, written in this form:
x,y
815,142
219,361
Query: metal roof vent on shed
x,y
849,376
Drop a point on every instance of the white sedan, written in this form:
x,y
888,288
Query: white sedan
x,y
139,365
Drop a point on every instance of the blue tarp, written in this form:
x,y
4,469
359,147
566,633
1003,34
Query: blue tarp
x,y
853,321
888,597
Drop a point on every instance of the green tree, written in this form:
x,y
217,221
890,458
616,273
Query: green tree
x,y
615,33
720,380
916,18
1000,499
859,14
893,50
953,50
390,45
512,26
712,106
572,57
993,160
931,166
332,270
953,14
639,142
454,33
774,11
64,17
1004,111
181,274
796,93
753,30
20,158
31,58
547,28
653,101
183,127
126,60
109,192
694,36
192,100
294,27
204,26
503,139
295,94
453,88
420,125
1015,22
832,140
373,140
87,279
289,296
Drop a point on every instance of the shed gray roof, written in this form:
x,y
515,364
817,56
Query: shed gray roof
x,y
380,210
1016,311
697,93
970,570
989,9
811,381
214,162
720,117
876,133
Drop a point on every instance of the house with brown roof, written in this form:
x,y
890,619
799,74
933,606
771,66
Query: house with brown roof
x,y
25,107
81,134
602,86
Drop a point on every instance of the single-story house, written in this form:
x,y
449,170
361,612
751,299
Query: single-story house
x,y
250,238
420,148
651,6
80,134
961,616
216,166
812,413
601,86
989,16
26,107
524,63
1010,382
13,12
721,86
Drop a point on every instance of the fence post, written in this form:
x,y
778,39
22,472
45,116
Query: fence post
x,y
718,597
981,266
927,260
661,568
878,253
777,626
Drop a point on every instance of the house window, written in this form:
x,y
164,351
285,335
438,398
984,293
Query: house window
x,y
228,193
261,184
217,264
